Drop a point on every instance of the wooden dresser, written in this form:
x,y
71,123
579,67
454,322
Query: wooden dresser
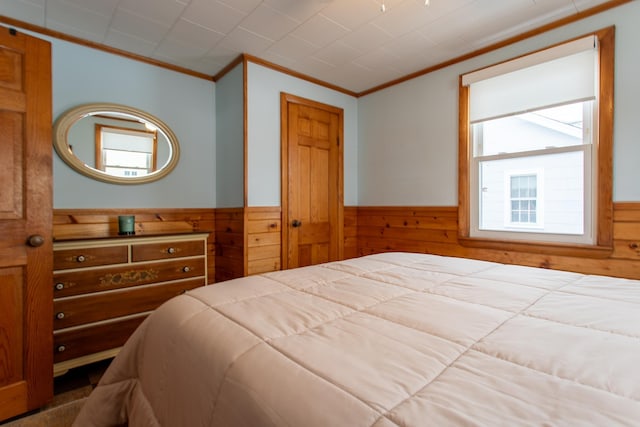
x,y
105,287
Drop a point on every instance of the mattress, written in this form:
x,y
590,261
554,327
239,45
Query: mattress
x,y
393,339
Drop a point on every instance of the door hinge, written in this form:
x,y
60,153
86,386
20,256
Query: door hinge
x,y
338,141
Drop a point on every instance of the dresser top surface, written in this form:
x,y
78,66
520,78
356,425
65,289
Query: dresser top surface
x,y
133,237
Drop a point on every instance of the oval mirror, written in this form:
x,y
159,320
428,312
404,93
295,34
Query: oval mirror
x,y
115,143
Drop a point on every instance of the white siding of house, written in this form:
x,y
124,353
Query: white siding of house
x,y
561,190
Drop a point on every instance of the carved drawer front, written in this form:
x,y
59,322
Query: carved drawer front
x,y
157,251
81,341
102,306
102,279
89,257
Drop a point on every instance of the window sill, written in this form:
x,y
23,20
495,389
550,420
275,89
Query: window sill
x,y
572,250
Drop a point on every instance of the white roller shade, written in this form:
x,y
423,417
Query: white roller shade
x,y
117,139
559,75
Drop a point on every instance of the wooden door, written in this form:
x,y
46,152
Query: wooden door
x,y
26,287
312,177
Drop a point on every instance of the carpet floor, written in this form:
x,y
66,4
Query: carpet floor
x,y
70,392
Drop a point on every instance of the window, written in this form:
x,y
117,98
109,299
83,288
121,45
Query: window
x,y
535,148
523,201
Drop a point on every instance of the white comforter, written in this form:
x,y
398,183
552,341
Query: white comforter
x,y
384,340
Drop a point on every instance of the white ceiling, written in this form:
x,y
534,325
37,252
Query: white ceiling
x,y
349,43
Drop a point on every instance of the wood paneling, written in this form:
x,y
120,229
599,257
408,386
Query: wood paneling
x,y
264,227
229,241
70,223
367,230
350,232
434,230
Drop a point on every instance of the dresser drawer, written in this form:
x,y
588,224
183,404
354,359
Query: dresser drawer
x,y
92,339
94,307
157,251
102,279
89,257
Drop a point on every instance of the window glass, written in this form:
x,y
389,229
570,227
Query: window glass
x,y
531,163
560,126
548,201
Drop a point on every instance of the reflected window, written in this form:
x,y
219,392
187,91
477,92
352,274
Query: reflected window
x,y
126,152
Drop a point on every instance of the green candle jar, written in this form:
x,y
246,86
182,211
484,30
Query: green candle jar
x,y
126,225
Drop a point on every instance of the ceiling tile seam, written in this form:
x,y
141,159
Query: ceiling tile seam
x,y
251,32
110,24
154,52
204,27
335,22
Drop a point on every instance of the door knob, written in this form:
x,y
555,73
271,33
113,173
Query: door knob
x,y
295,223
35,240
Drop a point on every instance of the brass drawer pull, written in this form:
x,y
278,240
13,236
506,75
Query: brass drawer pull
x,y
59,286
60,315
171,250
81,258
61,348
186,269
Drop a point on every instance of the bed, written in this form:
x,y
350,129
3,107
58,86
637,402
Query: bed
x,y
392,339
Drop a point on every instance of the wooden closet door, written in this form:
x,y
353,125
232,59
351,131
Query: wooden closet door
x,y
313,208
26,283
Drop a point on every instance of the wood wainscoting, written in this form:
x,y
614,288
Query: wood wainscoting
x,y
434,230
75,223
258,229
247,241
264,236
230,243
350,232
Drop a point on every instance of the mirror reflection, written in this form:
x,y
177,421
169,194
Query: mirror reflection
x,y
115,143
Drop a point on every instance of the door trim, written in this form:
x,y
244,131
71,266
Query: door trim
x,y
285,100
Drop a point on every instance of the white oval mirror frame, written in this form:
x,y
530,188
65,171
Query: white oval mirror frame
x,y
66,120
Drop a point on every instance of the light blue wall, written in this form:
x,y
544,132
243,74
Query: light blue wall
x,y
400,143
186,104
264,88
230,139
408,133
